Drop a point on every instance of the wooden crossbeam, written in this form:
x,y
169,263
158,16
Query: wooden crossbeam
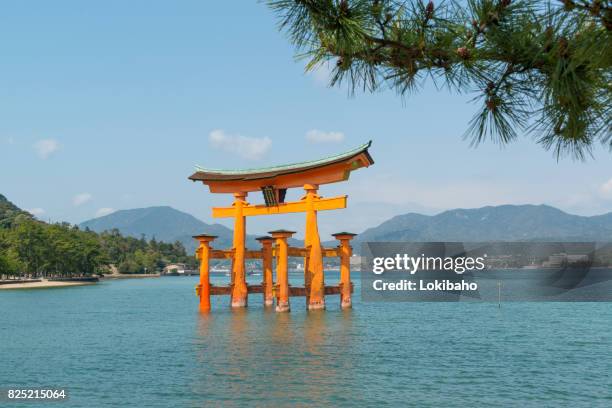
x,y
300,252
297,252
293,290
331,252
229,253
320,204
221,253
253,254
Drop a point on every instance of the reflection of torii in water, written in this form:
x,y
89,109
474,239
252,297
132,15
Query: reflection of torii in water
x,y
273,182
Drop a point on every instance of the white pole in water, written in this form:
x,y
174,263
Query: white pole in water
x,y
499,294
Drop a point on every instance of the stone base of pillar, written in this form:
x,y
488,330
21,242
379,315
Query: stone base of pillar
x,y
239,303
320,305
269,302
346,303
282,307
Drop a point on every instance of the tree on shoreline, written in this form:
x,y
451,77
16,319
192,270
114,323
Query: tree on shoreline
x,y
33,248
539,67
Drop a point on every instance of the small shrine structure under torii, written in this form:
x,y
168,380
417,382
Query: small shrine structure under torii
x,y
273,182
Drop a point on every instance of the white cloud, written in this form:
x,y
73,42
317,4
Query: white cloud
x,y
606,189
81,199
37,212
319,136
46,147
252,148
104,211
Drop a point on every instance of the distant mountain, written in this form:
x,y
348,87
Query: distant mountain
x,y
500,223
165,224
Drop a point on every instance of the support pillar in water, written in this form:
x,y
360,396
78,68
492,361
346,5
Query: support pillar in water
x,y
203,254
314,279
239,296
266,264
282,269
345,268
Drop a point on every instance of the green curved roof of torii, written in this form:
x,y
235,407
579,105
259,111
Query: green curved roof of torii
x,y
218,174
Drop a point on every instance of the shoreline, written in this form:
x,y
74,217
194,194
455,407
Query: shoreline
x,y
44,283
130,276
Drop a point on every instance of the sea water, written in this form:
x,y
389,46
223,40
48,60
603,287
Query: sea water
x,y
141,342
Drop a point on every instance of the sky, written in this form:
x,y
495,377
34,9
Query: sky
x,y
110,105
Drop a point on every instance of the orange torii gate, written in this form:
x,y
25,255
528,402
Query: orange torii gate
x,y
273,182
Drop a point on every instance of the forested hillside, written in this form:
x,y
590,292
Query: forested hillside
x,y
165,224
29,247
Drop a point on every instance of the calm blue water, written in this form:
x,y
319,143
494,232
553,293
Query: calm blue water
x,y
142,343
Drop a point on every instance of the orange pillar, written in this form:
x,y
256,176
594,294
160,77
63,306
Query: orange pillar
x,y
268,281
282,271
345,268
307,276
313,263
203,254
239,286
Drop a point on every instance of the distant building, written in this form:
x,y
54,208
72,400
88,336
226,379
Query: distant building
x,y
555,261
558,260
577,258
176,269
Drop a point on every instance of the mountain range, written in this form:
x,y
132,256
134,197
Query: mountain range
x,y
492,223
164,224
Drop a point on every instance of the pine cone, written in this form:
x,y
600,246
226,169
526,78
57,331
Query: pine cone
x,y
463,52
429,10
563,45
492,103
608,20
344,8
568,5
493,18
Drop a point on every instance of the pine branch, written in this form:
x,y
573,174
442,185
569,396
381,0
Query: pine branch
x,y
537,68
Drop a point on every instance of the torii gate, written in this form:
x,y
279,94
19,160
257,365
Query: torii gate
x,y
274,182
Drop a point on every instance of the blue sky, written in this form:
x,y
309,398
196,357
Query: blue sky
x,y
109,105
